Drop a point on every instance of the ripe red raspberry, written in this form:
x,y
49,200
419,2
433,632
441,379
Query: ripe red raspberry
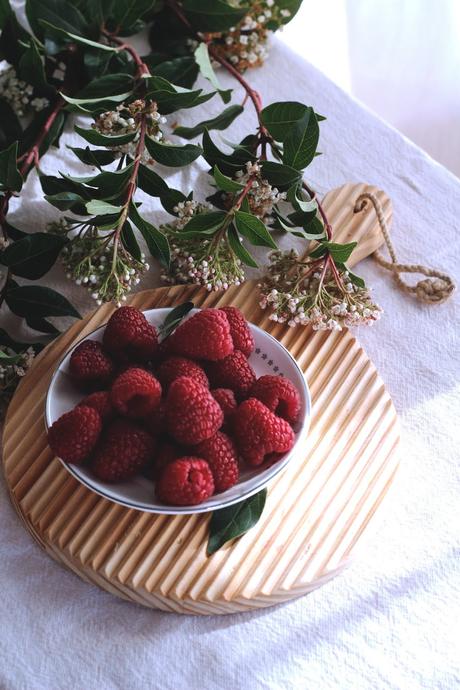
x,y
258,432
227,401
124,450
73,436
174,367
155,422
99,401
165,453
136,393
233,372
239,330
89,365
129,337
279,395
220,453
192,414
185,482
205,335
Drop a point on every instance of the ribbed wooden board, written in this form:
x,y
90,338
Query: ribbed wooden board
x,y
316,510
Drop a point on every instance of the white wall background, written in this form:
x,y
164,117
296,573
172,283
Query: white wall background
x,y
399,57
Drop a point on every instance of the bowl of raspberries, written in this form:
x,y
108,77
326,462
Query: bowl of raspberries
x,y
192,422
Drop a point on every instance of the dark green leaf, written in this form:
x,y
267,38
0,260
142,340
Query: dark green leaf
x,y
127,13
213,15
207,70
238,249
182,71
156,242
150,182
10,177
296,196
226,183
204,223
35,129
174,318
171,198
106,86
33,255
221,121
97,207
8,359
340,252
38,301
7,341
279,175
291,5
59,13
94,157
356,280
129,241
170,98
234,521
227,164
280,117
99,139
10,127
301,143
53,31
67,201
31,68
172,156
42,325
253,230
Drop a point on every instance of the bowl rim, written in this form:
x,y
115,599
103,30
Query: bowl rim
x,y
279,466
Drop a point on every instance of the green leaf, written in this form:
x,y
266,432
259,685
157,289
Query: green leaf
x,y
59,13
150,182
130,242
96,103
97,207
207,70
204,224
38,301
356,280
156,242
94,157
7,341
36,128
33,255
296,197
9,359
10,127
67,201
107,85
99,139
279,175
253,230
5,12
170,98
238,249
42,325
31,68
280,117
226,184
212,15
220,122
171,198
110,184
291,5
174,318
182,71
301,143
10,177
340,252
227,164
55,31
172,156
234,521
127,13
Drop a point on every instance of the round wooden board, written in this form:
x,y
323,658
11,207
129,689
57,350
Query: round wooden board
x,y
316,510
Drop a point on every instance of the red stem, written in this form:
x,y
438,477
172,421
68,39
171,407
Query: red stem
x,y
142,68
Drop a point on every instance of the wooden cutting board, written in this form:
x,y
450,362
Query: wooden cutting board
x,y
316,511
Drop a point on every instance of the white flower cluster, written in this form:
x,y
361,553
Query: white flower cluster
x,y
19,94
209,262
262,196
10,374
126,119
107,270
245,45
302,293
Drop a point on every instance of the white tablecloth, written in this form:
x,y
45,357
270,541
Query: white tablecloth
x,y
389,621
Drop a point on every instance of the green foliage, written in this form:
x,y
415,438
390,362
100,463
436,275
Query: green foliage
x,y
232,522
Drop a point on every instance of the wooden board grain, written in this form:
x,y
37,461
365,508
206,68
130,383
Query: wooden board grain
x,y
316,511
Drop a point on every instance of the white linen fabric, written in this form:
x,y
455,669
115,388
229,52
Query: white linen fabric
x,y
386,623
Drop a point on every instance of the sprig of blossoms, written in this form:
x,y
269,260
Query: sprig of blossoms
x,y
246,45
95,259
126,119
13,366
207,262
261,197
312,293
19,94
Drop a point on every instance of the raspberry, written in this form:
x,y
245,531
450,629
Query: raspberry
x,y
233,372
192,414
174,367
73,436
239,330
279,395
220,453
227,401
135,393
129,337
124,450
258,432
89,366
99,401
205,335
155,422
165,453
185,482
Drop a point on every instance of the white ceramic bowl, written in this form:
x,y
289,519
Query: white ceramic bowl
x,y
269,357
